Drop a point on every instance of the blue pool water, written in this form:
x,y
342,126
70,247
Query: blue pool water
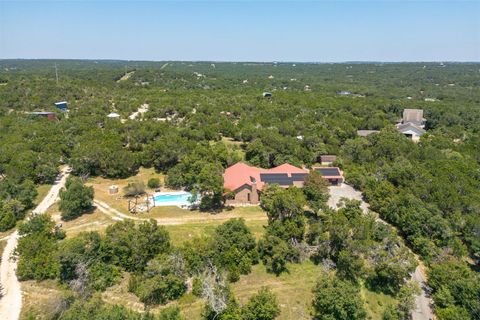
x,y
172,198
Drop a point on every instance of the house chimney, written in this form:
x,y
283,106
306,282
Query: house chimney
x,y
254,199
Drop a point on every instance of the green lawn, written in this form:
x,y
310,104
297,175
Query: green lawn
x,y
376,303
182,232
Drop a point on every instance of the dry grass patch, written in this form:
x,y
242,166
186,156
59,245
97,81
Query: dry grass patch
x,y
3,243
190,305
40,299
94,221
118,294
101,185
294,292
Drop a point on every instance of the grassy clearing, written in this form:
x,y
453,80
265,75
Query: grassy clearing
x,y
95,221
101,185
293,289
376,303
183,232
294,292
190,305
40,299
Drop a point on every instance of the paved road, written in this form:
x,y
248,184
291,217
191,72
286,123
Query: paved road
x,y
11,303
423,310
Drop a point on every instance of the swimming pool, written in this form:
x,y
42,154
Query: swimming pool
x,y
173,198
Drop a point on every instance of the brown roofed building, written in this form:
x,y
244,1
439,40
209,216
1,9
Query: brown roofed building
x,y
414,116
332,174
327,159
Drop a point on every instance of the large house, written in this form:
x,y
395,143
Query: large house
x,y
411,131
412,124
245,183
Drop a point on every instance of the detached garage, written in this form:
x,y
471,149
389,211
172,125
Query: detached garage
x,y
332,174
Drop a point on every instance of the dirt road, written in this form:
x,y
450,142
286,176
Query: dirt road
x,y
11,303
141,110
119,216
423,310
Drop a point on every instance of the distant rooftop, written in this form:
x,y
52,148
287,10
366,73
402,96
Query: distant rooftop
x,y
364,133
41,113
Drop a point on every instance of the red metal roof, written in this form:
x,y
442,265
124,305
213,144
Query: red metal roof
x,y
240,174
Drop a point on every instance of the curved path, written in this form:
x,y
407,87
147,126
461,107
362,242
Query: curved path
x,y
11,303
119,216
423,303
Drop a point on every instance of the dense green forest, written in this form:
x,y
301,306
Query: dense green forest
x,y
203,117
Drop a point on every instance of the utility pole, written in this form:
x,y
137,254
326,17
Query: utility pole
x,y
56,72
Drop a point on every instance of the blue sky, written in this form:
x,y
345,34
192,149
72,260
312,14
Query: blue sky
x,y
322,31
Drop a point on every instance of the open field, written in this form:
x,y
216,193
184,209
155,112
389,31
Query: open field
x,y
101,185
94,221
376,303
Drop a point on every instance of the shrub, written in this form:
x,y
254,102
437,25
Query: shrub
x,y
274,253
337,299
7,221
162,281
134,245
75,199
134,188
235,248
261,306
153,183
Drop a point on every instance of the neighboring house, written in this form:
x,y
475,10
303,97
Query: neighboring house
x,y
49,115
245,183
412,124
366,133
63,105
411,130
326,160
414,116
